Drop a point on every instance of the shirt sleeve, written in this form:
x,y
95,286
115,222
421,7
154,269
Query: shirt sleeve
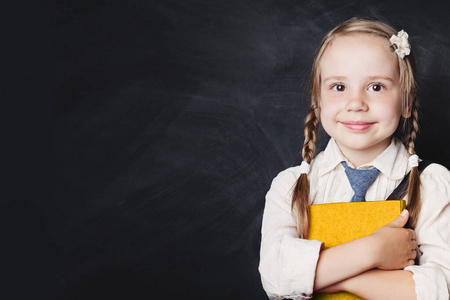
x,y
287,263
432,275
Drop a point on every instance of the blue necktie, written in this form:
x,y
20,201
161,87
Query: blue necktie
x,y
360,180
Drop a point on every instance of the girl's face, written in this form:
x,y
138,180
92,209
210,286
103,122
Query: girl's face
x,y
360,95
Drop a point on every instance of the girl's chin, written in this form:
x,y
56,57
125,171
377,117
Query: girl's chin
x,y
363,147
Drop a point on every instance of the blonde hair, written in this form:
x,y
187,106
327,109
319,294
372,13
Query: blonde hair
x,y
408,127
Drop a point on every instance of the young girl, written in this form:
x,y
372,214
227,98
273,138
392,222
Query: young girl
x,y
363,91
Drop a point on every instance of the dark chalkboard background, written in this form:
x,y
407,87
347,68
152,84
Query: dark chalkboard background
x,y
170,119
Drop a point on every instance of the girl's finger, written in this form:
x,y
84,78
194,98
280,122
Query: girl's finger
x,y
411,262
412,234
413,254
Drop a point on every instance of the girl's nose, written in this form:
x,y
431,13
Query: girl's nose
x,y
356,102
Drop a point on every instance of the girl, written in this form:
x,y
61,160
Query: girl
x,y
363,90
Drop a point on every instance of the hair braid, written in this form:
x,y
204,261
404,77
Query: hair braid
x,y
414,202
311,124
300,196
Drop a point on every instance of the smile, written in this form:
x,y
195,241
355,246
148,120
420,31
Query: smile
x,y
357,125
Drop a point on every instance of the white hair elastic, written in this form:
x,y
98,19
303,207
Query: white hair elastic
x,y
413,161
304,167
400,44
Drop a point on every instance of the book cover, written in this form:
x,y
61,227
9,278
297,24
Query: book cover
x,y
338,223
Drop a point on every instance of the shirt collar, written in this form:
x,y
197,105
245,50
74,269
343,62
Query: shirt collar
x,y
333,157
392,162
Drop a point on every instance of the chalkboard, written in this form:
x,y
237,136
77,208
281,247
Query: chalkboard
x,y
169,121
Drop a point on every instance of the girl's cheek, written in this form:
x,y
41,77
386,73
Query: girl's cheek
x,y
327,115
330,106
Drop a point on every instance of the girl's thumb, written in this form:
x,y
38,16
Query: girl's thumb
x,y
401,220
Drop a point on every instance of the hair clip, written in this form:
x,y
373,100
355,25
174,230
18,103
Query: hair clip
x,y
304,167
400,44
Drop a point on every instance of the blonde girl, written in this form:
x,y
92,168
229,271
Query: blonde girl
x,y
363,91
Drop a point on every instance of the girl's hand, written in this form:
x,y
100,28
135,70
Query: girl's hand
x,y
395,246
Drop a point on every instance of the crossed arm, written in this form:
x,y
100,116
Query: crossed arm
x,y
378,284
371,267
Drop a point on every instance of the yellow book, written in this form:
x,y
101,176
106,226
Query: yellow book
x,y
338,223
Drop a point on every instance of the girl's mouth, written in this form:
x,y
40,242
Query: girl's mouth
x,y
357,125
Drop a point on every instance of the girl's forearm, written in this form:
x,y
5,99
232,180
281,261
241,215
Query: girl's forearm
x,y
378,284
344,261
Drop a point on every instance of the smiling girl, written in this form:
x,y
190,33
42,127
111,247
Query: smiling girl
x,y
363,91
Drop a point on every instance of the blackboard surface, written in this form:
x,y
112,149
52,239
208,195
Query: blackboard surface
x,y
171,118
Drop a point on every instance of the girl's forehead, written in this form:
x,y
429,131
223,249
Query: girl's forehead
x,y
359,53
360,42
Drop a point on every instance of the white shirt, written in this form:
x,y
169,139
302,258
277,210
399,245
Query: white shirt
x,y
288,264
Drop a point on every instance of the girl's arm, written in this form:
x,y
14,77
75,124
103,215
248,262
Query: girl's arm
x,y
378,284
391,247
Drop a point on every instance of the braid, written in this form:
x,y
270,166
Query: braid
x,y
311,124
300,196
414,202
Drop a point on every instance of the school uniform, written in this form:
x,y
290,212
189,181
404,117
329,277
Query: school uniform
x,y
288,264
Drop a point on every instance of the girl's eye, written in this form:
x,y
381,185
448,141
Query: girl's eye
x,y
338,87
376,87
